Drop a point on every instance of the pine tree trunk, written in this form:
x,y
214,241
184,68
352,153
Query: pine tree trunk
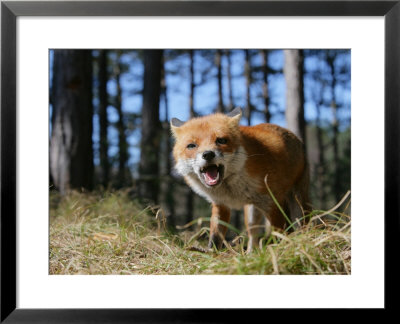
x,y
335,127
164,97
122,144
150,141
71,147
293,71
267,113
169,185
192,112
229,76
103,118
218,61
320,169
247,73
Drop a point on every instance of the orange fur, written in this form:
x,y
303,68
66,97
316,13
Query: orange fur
x,y
246,155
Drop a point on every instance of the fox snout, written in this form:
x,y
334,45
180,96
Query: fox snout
x,y
208,155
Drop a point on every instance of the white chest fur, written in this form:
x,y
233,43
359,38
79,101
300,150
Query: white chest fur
x,y
237,188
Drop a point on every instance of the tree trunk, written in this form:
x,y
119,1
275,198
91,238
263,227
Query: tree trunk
x,y
335,126
122,144
247,73
71,147
264,55
103,118
236,214
320,169
218,61
190,195
293,71
150,141
164,97
192,112
229,76
169,185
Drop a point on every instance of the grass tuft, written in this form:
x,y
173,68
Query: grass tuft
x,y
109,233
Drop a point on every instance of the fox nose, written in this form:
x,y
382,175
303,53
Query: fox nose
x,y
208,155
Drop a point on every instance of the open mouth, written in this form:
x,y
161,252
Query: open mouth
x,y
212,174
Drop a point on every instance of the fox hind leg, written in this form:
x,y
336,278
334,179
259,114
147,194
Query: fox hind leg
x,y
256,225
298,201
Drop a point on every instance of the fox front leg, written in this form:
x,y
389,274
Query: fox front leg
x,y
217,230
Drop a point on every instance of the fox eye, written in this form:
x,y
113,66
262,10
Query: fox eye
x,y
191,146
221,140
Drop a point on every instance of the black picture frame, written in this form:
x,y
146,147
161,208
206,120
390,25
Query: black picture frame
x,y
10,10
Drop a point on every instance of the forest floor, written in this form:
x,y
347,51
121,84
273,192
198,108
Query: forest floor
x,y
109,233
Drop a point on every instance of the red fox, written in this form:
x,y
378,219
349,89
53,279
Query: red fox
x,y
227,164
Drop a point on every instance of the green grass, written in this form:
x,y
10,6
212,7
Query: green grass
x,y
109,233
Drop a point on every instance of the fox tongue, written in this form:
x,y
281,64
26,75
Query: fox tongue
x,y
211,175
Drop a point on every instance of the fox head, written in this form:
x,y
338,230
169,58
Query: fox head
x,y
208,149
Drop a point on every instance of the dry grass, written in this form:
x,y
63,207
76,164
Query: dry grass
x,y
111,234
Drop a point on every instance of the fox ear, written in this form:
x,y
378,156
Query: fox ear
x,y
175,124
235,115
235,112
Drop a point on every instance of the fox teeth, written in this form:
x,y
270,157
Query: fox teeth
x,y
203,168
